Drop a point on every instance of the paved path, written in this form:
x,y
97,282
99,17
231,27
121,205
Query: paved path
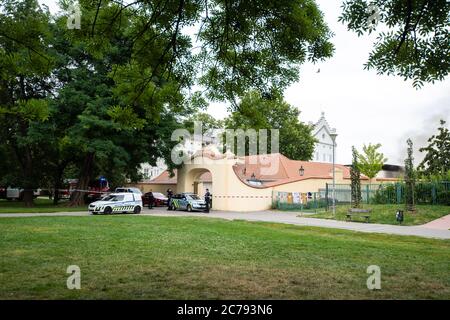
x,y
280,217
442,223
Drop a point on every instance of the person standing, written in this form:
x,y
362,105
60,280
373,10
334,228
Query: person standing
x,y
151,199
207,200
169,198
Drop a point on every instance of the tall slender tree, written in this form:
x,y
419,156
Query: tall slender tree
x,y
355,178
410,178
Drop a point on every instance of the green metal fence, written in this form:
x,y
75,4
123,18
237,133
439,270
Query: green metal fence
x,y
298,201
432,193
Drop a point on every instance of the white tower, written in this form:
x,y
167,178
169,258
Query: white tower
x,y
323,151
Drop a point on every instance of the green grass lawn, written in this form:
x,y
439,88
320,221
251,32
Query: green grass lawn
x,y
40,205
142,257
385,214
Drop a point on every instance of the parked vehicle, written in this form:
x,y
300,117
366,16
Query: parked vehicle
x,y
187,201
128,189
2,192
117,203
10,193
160,199
97,190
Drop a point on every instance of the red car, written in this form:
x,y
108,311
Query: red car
x,y
160,199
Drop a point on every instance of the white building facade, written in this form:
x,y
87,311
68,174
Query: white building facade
x,y
323,151
150,172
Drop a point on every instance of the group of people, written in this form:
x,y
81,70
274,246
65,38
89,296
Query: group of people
x,y
208,198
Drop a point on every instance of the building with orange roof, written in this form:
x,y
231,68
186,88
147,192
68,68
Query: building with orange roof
x,y
249,183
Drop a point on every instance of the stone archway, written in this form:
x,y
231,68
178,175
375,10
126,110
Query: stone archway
x,y
199,185
229,192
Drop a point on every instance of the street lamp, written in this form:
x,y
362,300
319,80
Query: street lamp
x,y
333,136
301,171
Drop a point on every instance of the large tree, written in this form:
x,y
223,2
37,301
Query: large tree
x,y
271,112
371,161
25,68
437,157
115,89
413,36
228,47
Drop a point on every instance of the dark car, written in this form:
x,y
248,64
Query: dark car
x,y
160,199
2,192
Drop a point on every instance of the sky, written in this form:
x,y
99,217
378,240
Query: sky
x,y
363,107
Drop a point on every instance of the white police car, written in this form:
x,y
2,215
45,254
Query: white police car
x,y
117,203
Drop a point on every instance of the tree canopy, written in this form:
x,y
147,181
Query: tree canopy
x,y
106,97
413,36
257,112
371,161
437,153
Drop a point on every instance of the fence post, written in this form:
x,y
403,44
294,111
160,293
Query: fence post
x,y
433,193
399,193
326,196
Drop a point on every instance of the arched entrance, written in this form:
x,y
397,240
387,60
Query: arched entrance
x,y
201,180
229,193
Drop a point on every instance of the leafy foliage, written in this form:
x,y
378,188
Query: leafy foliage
x,y
371,161
437,158
416,44
106,97
257,112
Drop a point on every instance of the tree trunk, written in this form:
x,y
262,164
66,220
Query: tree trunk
x,y
77,198
56,187
57,183
28,197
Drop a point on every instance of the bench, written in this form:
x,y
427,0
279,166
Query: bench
x,y
364,213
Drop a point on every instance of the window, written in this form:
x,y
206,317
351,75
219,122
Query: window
x,y
323,135
324,157
330,157
317,156
113,198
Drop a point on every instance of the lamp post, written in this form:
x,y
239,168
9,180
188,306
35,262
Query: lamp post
x,y
333,136
301,171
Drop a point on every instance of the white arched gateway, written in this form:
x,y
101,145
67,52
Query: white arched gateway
x,y
230,193
249,183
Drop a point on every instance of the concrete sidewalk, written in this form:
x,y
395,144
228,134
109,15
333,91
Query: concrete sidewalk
x,y
277,217
293,218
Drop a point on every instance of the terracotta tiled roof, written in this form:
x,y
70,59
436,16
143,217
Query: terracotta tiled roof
x,y
276,169
272,169
164,178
